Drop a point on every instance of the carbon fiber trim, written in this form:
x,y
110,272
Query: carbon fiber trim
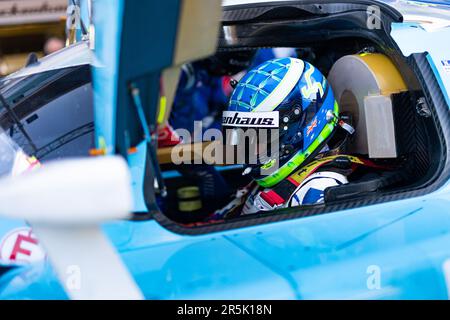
x,y
278,24
241,13
413,137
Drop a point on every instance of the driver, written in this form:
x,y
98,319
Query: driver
x,y
292,101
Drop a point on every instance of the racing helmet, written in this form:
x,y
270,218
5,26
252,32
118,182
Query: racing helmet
x,y
290,99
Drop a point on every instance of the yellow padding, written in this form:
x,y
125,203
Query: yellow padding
x,y
388,77
188,192
189,206
189,199
162,110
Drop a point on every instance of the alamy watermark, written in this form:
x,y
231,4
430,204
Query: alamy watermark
x,y
374,277
373,18
73,278
230,146
73,17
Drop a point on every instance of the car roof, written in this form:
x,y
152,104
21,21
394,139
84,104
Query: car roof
x,y
72,56
431,14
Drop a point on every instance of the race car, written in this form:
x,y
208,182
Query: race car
x,y
378,237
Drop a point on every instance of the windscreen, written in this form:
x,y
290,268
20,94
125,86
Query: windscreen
x,y
13,160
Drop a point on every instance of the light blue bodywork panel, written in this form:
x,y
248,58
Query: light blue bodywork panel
x,y
404,244
136,162
105,83
436,43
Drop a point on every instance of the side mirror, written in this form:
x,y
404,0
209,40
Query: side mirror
x,y
65,202
69,192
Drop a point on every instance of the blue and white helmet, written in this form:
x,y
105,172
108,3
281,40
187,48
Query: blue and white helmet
x,y
293,97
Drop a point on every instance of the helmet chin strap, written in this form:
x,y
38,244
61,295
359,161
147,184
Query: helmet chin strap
x,y
339,147
341,122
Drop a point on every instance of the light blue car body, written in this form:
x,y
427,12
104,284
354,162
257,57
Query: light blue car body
x,y
393,250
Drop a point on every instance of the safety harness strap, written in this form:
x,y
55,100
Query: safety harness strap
x,y
282,192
